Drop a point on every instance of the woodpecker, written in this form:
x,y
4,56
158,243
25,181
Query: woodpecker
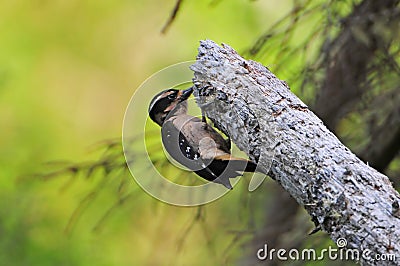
x,y
192,142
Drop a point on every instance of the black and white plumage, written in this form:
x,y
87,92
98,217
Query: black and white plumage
x,y
194,143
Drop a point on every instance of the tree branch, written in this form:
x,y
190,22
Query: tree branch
x,y
172,16
344,196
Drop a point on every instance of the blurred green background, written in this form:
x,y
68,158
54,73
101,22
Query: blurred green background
x,y
67,72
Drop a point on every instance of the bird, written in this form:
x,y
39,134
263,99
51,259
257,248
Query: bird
x,y
194,143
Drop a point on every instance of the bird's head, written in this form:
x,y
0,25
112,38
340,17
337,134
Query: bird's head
x,y
168,102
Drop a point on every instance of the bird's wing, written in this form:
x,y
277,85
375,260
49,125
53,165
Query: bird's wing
x,y
177,146
206,156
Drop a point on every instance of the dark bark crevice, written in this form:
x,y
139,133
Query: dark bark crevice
x,y
344,196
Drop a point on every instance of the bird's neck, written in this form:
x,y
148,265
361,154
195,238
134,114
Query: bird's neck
x,y
180,109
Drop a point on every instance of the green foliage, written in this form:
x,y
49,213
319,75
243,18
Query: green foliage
x,y
67,72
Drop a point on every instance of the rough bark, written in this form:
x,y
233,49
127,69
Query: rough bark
x,y
344,196
351,57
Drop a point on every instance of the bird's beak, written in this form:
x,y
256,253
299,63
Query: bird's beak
x,y
185,94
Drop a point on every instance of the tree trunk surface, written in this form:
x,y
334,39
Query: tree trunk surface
x,y
344,196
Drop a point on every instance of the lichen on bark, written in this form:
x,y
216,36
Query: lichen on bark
x,y
343,195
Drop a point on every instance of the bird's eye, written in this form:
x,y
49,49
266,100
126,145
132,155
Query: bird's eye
x,y
171,96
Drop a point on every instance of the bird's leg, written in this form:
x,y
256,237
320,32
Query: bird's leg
x,y
204,120
203,117
228,143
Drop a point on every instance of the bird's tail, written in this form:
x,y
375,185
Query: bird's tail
x,y
238,164
231,167
250,167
